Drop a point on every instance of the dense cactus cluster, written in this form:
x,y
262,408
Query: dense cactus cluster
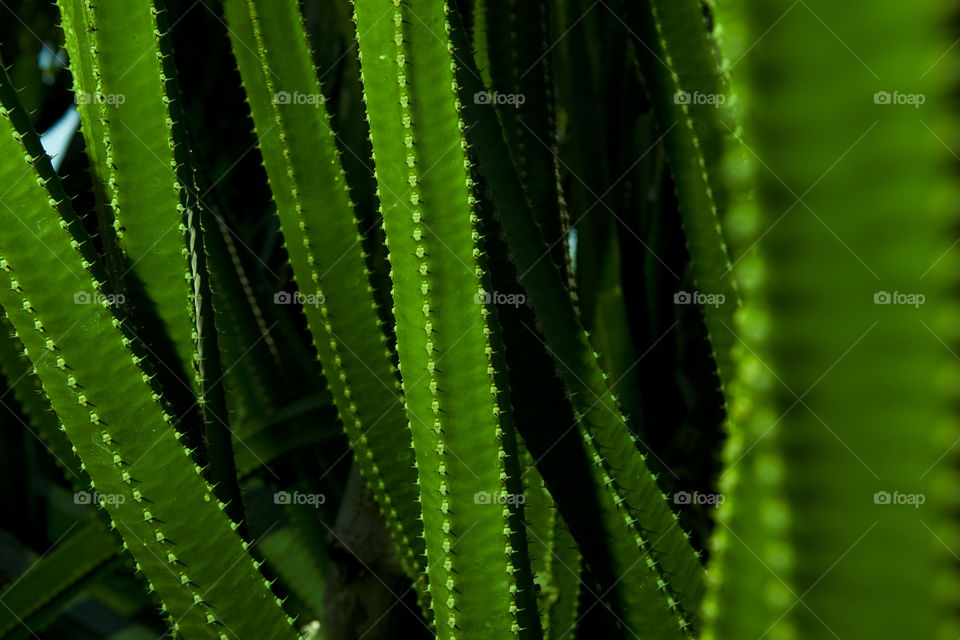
x,y
480,315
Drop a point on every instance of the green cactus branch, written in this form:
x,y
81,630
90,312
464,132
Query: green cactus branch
x,y
80,42
316,216
537,398
749,548
863,383
461,436
129,103
632,501
28,391
120,431
680,69
554,557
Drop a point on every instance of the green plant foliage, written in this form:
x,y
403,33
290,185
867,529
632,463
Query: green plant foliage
x,y
329,264
27,389
459,319
555,561
118,83
750,554
844,369
80,554
106,417
130,106
679,64
619,468
462,436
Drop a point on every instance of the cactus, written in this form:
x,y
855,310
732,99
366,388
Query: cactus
x,y
618,466
131,119
381,367
329,264
458,409
774,538
117,424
